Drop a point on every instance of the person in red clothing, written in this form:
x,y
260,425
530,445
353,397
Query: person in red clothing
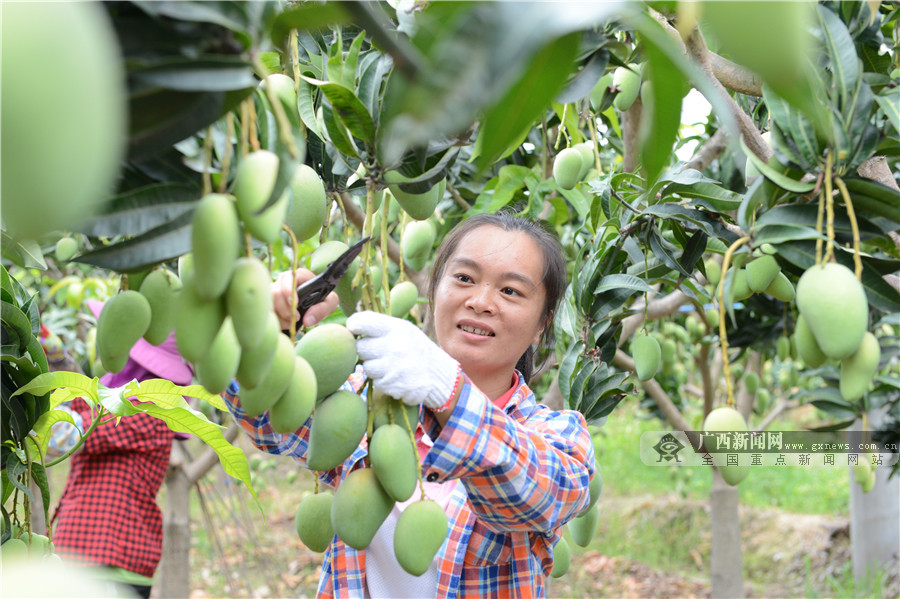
x,y
107,516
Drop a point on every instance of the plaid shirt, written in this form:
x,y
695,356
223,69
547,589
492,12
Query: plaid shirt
x,y
524,471
108,514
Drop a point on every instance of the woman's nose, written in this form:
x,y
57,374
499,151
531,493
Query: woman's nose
x,y
481,300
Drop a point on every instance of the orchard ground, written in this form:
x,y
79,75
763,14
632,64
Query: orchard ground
x,y
653,538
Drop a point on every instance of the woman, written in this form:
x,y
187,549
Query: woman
x,y
508,471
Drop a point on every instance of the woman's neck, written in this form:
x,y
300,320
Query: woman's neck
x,y
494,384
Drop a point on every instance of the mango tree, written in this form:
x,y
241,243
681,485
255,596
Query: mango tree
x,y
397,121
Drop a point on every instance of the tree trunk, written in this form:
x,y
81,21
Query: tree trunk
x,y
725,563
175,568
874,535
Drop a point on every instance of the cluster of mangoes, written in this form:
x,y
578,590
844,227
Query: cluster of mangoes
x,y
367,495
23,544
573,164
620,88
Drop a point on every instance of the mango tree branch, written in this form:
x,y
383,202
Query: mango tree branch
x,y
655,309
654,390
198,468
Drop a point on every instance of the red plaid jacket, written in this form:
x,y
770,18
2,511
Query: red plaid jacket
x,y
108,514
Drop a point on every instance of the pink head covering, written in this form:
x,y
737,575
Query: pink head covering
x,y
162,360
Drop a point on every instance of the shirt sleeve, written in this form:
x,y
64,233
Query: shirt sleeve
x,y
529,474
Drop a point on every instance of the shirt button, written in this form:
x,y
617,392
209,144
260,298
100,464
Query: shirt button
x,y
432,476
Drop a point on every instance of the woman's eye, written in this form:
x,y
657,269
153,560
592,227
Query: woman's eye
x,y
509,291
463,278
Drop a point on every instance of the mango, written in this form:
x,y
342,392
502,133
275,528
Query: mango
x,y
739,289
727,419
197,321
360,506
284,89
215,244
586,149
763,399
327,253
869,483
255,364
628,81
761,272
404,296
583,527
13,549
594,488
313,521
418,205
262,397
416,242
60,159
253,184
421,530
807,347
217,367
862,470
713,271
783,348
296,404
331,351
781,288
123,320
395,460
308,204
751,382
562,558
65,249
338,425
566,167
600,93
859,368
668,350
161,288
389,410
647,356
834,305
248,300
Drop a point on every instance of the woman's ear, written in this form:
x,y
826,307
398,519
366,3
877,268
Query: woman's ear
x,y
540,332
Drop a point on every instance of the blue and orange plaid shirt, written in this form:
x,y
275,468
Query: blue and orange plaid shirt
x,y
524,469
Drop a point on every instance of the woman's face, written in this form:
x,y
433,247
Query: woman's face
x,y
488,301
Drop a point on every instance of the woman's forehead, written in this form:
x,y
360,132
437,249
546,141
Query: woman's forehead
x,y
489,246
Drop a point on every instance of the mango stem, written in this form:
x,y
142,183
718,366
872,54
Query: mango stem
x,y
723,338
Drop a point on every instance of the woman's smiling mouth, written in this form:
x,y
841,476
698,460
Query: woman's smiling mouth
x,y
475,330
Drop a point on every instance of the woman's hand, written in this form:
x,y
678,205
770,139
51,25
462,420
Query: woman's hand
x,y
403,362
283,293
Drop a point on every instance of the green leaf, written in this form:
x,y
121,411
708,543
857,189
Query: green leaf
x,y
708,195
839,46
620,282
39,477
707,222
657,246
15,321
139,210
113,400
183,421
794,125
306,106
770,173
337,133
778,233
25,253
874,197
505,121
167,394
211,73
349,109
49,381
305,17
666,90
44,424
162,243
889,102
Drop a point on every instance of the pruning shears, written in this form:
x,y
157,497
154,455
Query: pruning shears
x,y
314,290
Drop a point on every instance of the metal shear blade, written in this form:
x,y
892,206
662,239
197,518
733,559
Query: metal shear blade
x,y
316,289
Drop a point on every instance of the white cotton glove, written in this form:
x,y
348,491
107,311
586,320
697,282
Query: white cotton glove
x,y
402,361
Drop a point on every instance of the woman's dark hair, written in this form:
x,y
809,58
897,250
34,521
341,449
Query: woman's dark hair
x,y
553,278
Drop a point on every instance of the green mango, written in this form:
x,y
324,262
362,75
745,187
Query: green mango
x,y
583,527
161,288
628,81
862,470
255,364
566,167
248,300
647,356
308,206
313,521
807,347
197,321
668,351
835,307
859,368
387,409
594,488
404,296
420,532
395,460
713,271
600,93
783,348
416,241
61,157
124,319
761,272
727,419
586,149
419,206
284,89
13,549
763,399
331,351
328,252
337,427
739,289
218,365
254,181
215,244
562,558
781,288
262,397
65,249
869,484
751,382
296,404
360,506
